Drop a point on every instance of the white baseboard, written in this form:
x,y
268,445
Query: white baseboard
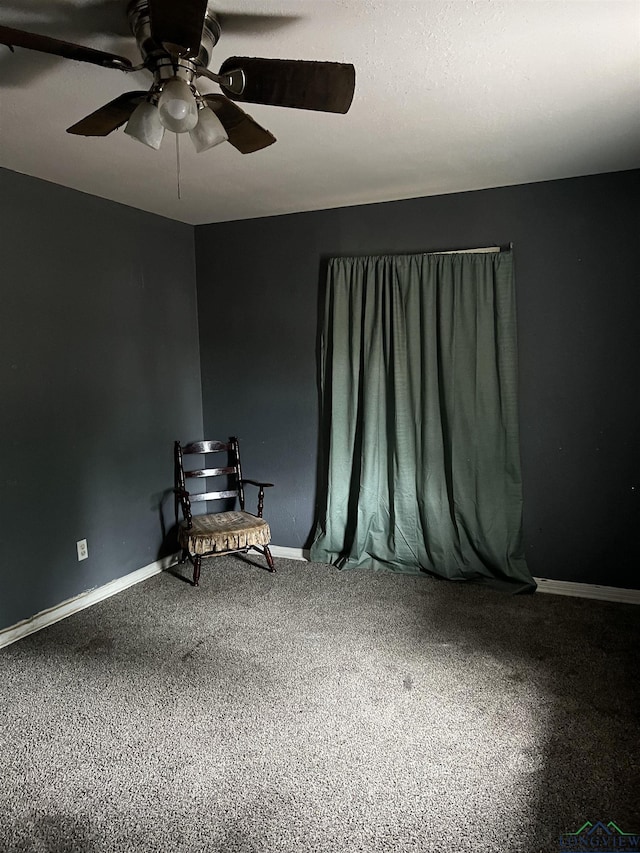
x,y
80,602
289,553
589,590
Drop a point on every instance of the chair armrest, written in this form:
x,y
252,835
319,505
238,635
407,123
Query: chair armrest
x,y
261,488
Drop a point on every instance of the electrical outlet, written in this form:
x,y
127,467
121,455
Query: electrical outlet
x,y
83,549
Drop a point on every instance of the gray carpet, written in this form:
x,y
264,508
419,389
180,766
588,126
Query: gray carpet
x,y
314,710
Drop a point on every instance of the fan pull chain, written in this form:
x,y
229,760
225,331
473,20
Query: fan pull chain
x,y
177,135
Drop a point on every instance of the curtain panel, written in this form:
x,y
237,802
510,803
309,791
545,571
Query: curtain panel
x,y
420,465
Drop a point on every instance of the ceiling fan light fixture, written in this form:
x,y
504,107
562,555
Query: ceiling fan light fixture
x,y
145,125
208,132
177,106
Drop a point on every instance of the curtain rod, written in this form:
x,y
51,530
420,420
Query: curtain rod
x,y
483,249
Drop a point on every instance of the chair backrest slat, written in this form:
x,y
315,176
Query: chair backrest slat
x,y
214,496
209,472
206,447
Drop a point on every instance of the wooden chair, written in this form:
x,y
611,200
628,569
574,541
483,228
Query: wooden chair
x,y
228,532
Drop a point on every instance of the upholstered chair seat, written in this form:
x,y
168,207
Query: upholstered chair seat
x,y
223,532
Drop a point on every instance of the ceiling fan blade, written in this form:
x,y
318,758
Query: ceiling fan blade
x,y
178,25
109,117
324,86
31,41
244,133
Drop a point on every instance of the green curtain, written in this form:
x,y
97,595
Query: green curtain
x,y
420,466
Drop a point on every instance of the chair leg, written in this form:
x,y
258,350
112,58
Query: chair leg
x,y
267,554
197,560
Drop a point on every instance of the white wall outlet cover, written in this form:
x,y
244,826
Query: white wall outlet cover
x,y
83,550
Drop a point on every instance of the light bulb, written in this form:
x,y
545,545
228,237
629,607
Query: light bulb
x,y
208,132
145,125
177,106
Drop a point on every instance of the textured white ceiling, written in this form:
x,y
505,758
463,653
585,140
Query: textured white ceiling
x,y
451,95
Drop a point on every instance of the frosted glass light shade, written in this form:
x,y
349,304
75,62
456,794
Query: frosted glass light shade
x,y
177,106
145,125
208,132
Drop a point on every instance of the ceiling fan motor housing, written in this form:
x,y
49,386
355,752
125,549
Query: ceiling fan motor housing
x,y
152,52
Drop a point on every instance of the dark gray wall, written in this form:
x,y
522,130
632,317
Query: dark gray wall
x,y
99,370
575,245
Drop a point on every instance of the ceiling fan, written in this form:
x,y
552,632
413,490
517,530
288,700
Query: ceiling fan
x,y
175,41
